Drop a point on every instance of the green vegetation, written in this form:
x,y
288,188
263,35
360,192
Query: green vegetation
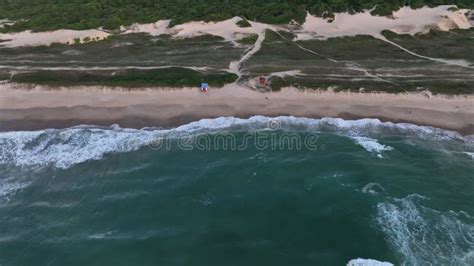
x,y
436,86
243,23
367,64
277,83
41,15
249,40
168,77
454,44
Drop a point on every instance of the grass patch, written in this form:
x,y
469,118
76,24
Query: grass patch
x,y
436,87
454,44
271,36
249,40
169,77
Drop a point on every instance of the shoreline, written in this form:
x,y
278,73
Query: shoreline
x,y
40,107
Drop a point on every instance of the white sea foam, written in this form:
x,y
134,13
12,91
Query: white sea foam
x,y
63,148
372,145
115,235
101,235
372,188
470,154
55,205
123,195
415,231
10,188
361,126
368,262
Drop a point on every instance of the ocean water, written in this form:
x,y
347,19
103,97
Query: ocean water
x,y
229,191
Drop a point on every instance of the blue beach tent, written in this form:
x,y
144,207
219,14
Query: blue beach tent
x,y
204,87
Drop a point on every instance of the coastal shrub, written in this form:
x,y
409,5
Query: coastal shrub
x,y
277,83
243,23
43,15
168,77
249,40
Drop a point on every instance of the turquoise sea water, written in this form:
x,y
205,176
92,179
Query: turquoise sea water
x,y
228,191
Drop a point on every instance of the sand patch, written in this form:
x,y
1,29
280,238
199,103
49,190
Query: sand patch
x,y
29,38
405,21
155,29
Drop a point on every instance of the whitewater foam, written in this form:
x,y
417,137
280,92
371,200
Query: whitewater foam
x,y
100,235
9,189
470,154
63,148
368,262
372,145
414,231
373,188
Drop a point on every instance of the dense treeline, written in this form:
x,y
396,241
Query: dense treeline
x,y
84,14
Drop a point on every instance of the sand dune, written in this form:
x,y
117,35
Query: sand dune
x,y
155,29
405,21
28,38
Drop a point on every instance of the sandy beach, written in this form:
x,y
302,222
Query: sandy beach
x,y
32,108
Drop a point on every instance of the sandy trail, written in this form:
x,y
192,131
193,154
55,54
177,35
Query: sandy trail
x,y
236,66
404,21
227,29
357,67
348,65
460,62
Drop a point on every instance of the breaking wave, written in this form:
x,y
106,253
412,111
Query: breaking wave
x,y
424,236
372,145
373,188
9,188
63,148
368,262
